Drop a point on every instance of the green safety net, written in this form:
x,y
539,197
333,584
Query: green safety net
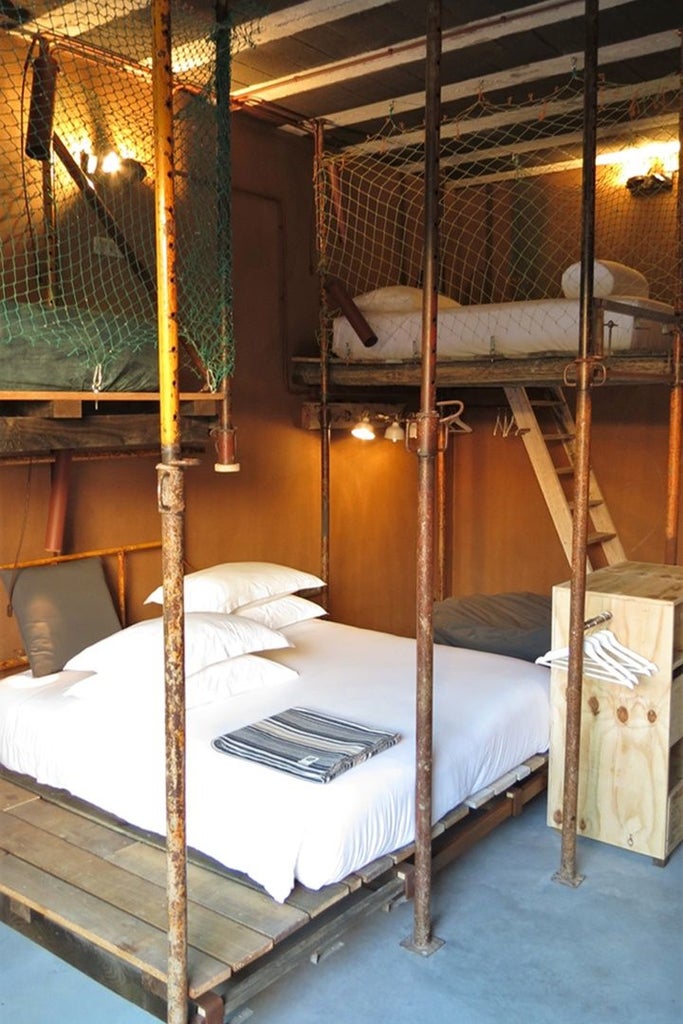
x,y
77,210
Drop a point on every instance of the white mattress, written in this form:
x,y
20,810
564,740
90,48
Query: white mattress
x,y
491,713
505,329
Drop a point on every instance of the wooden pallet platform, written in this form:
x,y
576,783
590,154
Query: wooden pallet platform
x,y
92,890
627,368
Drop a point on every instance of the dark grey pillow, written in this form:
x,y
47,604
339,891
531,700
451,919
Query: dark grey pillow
x,y
60,610
516,624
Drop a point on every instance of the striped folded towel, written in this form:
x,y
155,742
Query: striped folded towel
x,y
306,743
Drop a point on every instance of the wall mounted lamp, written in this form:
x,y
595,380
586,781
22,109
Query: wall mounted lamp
x,y
361,420
112,168
650,184
395,432
364,429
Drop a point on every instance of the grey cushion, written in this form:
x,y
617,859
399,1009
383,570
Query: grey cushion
x,y
60,609
515,624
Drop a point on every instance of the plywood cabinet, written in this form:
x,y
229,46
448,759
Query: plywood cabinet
x,y
630,790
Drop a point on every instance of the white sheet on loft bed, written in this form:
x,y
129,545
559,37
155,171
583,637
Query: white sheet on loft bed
x,y
504,329
491,713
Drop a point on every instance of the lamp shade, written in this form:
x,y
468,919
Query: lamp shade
x,y
395,432
364,429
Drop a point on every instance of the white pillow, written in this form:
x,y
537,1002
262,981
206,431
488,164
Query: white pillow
x,y
209,638
397,298
609,278
278,612
225,679
237,675
225,587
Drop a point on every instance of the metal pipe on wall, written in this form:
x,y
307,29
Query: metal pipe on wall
x,y
567,873
171,508
59,497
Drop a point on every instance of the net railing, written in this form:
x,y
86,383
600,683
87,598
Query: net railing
x,y
510,225
77,211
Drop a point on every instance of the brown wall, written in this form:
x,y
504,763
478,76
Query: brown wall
x,y
501,536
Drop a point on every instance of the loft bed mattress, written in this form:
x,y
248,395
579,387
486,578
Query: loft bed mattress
x,y
503,330
490,714
45,348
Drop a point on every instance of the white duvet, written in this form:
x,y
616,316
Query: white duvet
x,y
490,713
503,329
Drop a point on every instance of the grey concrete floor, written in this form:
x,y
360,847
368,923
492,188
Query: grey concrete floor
x,y
518,948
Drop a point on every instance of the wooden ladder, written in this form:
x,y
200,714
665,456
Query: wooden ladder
x,y
547,428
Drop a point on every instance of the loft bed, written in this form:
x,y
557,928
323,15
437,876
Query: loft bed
x,y
81,853
502,344
80,332
509,246
504,307
64,386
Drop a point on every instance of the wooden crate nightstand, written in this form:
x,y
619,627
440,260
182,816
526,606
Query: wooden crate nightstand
x,y
630,791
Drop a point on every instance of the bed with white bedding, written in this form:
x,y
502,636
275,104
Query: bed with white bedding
x,y
502,330
101,737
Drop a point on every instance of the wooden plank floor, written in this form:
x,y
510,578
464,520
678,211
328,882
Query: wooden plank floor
x,y
108,887
71,878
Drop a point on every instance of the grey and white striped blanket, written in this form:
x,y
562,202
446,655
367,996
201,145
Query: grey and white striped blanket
x,y
306,743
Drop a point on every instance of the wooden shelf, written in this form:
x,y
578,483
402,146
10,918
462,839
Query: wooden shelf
x,y
630,790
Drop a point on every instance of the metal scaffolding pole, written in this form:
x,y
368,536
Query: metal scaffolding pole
x,y
171,508
319,143
427,443
673,496
585,364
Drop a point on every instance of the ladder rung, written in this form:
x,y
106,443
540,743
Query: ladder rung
x,y
599,538
558,437
546,403
564,470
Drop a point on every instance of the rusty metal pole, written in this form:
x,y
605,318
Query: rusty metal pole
x,y
673,494
423,940
567,873
318,172
441,505
171,508
673,497
224,433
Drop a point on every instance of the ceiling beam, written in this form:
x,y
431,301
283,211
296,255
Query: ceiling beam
x,y
305,16
566,64
651,126
74,19
409,51
540,111
269,29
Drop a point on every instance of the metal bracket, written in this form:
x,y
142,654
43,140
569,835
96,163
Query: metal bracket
x,y
210,1009
170,496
